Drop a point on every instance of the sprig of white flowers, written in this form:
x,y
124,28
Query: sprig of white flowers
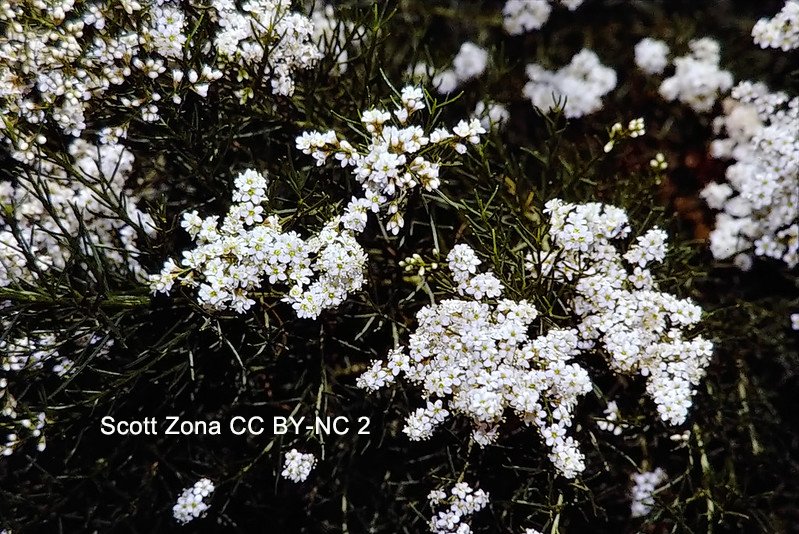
x,y
492,115
397,158
477,357
635,128
462,502
652,55
473,355
642,492
191,503
759,203
578,87
640,329
780,31
232,261
612,420
520,16
297,466
697,79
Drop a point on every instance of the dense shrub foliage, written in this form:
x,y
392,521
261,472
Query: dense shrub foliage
x,y
523,266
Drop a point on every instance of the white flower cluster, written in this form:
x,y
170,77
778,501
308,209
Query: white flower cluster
x,y
520,16
639,329
644,486
60,60
233,260
611,422
469,63
795,321
268,33
389,166
759,203
697,80
297,466
53,203
780,31
652,55
191,503
581,84
463,501
478,358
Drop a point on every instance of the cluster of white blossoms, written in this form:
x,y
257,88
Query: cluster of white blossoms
x,y
191,503
795,321
644,486
612,421
697,80
267,33
390,164
61,60
473,356
297,466
478,358
780,31
759,203
462,502
578,87
469,63
520,16
639,329
652,55
235,259
55,201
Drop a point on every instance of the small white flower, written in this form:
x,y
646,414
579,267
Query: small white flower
x,y
297,466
